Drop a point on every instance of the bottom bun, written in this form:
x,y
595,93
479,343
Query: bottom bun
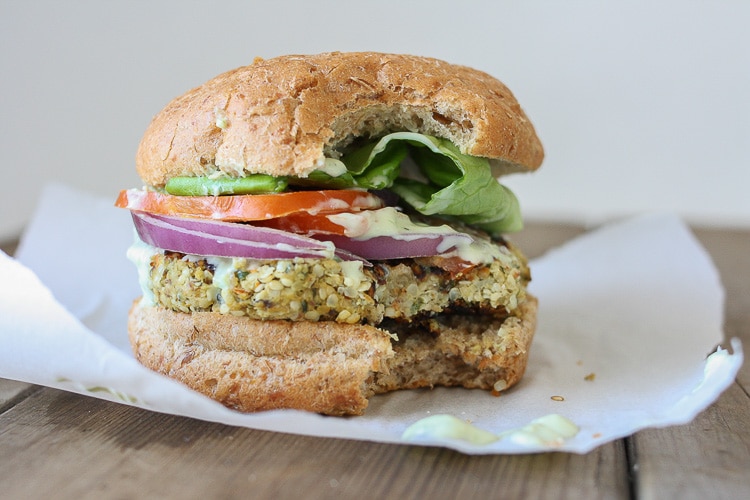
x,y
327,367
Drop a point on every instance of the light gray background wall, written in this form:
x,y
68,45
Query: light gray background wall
x,y
641,105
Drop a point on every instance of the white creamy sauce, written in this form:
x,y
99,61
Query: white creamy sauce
x,y
337,205
327,252
333,167
140,254
223,270
390,222
447,427
330,205
549,430
354,278
382,222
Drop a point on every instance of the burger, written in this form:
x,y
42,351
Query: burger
x,y
314,230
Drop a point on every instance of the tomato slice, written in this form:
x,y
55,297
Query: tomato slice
x,y
303,223
252,207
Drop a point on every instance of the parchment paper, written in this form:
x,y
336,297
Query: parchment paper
x,y
630,319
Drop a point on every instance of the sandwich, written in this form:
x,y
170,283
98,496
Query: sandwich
x,y
314,230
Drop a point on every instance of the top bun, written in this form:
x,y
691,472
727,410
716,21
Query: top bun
x,y
282,116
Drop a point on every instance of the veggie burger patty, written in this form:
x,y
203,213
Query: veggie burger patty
x,y
331,290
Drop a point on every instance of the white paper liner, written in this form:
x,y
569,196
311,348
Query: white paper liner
x,y
629,314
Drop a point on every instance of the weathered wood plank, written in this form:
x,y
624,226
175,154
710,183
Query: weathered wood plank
x,y
10,390
79,447
708,458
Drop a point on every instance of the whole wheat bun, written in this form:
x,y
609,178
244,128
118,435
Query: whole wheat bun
x,y
325,367
281,116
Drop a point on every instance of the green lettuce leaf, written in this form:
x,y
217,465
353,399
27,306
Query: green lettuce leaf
x,y
374,166
454,184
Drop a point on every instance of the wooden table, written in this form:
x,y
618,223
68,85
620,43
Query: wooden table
x,y
55,444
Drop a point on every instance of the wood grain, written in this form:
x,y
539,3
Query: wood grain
x,y
708,458
10,390
86,448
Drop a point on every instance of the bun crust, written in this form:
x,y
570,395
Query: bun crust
x,y
281,116
251,365
324,367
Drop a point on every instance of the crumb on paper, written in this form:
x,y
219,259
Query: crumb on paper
x,y
590,377
557,398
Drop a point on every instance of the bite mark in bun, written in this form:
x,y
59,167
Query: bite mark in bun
x,y
317,229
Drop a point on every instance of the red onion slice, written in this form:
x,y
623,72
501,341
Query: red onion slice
x,y
224,239
393,247
228,239
387,233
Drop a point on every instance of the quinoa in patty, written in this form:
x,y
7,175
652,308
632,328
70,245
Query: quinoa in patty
x,y
333,290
